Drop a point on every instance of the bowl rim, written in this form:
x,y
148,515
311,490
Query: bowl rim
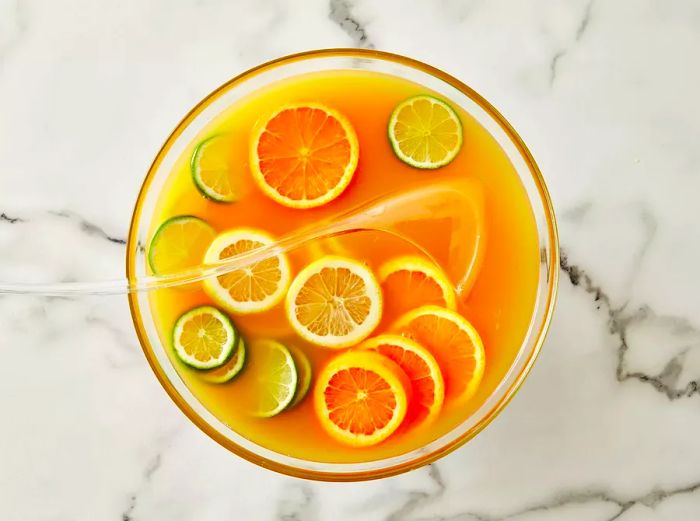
x,y
552,271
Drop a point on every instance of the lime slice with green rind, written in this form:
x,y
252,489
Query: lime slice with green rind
x,y
179,243
425,132
212,170
272,372
304,373
230,369
204,338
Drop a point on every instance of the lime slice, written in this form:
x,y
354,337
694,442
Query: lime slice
x,y
272,371
303,367
179,243
211,169
425,132
230,369
204,338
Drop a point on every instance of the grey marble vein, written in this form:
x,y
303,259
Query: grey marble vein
x,y
9,219
585,20
419,498
650,227
666,381
553,63
153,466
577,213
87,226
341,14
649,499
126,515
583,25
150,470
301,506
619,321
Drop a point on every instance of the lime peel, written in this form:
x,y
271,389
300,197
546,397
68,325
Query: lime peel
x,y
274,370
204,338
304,372
211,169
230,369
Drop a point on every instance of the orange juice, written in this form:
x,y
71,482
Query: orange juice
x,y
499,305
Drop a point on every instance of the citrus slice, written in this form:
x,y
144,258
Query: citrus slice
x,y
211,169
253,288
361,398
303,367
454,343
204,338
230,369
179,243
272,376
334,302
422,371
425,132
412,281
304,155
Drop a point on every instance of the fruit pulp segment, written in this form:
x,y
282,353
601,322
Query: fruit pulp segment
x,y
499,305
347,385
322,142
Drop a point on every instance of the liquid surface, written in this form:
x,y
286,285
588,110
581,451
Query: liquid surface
x,y
499,304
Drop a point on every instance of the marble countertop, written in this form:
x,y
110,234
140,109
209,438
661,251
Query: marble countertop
x,y
606,95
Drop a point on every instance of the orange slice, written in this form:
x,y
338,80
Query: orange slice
x,y
453,341
411,281
422,370
249,289
361,398
334,302
304,155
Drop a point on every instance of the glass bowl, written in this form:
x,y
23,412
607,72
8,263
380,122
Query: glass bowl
x,y
334,59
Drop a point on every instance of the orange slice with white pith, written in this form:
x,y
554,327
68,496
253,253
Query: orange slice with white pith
x,y
411,281
454,343
361,398
304,155
422,371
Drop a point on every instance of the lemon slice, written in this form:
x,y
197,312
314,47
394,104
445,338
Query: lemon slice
x,y
253,288
425,132
334,302
204,338
179,243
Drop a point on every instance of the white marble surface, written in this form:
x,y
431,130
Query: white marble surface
x,y
606,93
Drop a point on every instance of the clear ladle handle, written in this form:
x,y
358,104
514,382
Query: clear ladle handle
x,y
454,204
